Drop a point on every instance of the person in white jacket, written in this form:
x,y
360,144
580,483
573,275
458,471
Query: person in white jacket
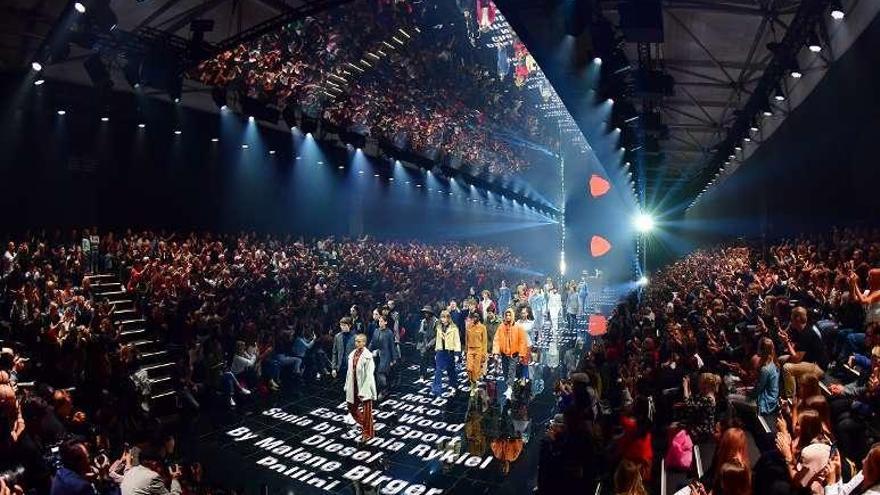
x,y
360,385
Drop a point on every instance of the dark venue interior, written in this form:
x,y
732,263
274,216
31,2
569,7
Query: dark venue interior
x,y
424,247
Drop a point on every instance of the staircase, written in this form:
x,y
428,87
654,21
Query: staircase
x,y
155,358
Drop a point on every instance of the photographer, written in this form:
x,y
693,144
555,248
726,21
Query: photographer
x,y
71,478
148,478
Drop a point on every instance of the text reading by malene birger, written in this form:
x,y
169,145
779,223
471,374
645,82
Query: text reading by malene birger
x,y
329,454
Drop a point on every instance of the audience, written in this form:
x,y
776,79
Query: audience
x,y
238,315
251,314
719,318
388,70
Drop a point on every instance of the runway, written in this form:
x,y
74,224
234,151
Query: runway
x,y
298,441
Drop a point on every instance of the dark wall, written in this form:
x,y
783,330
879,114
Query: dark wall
x,y
820,168
75,171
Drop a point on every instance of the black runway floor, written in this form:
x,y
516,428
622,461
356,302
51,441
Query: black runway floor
x,y
279,443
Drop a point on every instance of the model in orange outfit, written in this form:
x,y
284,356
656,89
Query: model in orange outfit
x,y
477,349
510,343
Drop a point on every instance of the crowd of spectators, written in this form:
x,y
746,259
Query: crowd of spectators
x,y
766,360
236,310
410,73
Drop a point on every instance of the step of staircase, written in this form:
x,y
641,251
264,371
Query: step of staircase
x,y
133,321
156,359
124,314
159,370
110,294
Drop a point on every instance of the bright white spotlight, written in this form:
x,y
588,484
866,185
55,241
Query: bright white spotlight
x,y
178,132
643,281
39,82
105,119
142,126
244,146
214,140
80,7
224,108
597,61
837,14
644,222
61,112
251,118
271,152
815,48
797,74
36,66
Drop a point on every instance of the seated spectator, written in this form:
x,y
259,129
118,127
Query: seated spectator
x,y
866,481
808,454
628,479
700,409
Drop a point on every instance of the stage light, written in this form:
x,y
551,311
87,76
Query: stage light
x,y
780,93
177,100
80,7
814,45
754,127
61,112
597,61
142,126
837,12
271,152
244,146
361,172
340,167
105,119
391,179
219,96
39,82
643,281
747,139
738,148
796,74
375,175
643,222
224,108
215,140
36,66
177,132
251,118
